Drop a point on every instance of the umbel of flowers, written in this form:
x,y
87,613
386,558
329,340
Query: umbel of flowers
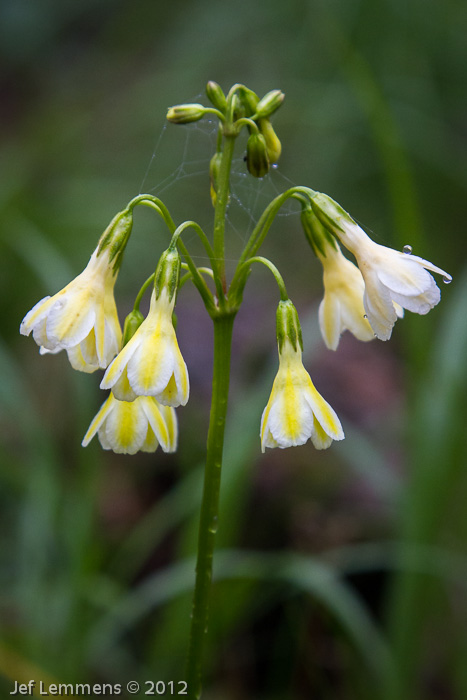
x,y
145,371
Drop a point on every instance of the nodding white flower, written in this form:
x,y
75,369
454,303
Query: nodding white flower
x,y
392,279
295,412
342,305
151,363
81,318
126,428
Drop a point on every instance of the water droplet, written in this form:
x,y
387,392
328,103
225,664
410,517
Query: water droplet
x,y
375,335
407,249
275,166
213,526
447,279
365,316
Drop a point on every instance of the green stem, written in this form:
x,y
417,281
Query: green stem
x,y
223,326
221,207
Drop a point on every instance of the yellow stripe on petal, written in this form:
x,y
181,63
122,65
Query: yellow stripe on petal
x,y
126,427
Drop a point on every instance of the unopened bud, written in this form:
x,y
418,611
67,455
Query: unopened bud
x,y
214,166
248,101
257,155
216,96
184,114
132,322
272,142
269,103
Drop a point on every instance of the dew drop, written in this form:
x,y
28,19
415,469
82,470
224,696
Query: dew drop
x,y
407,249
365,316
447,279
275,166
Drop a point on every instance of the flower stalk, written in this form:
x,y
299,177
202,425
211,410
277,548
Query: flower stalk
x,y
223,326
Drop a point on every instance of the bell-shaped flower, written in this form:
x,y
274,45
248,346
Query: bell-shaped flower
x,y
392,279
295,412
127,428
151,363
342,305
81,318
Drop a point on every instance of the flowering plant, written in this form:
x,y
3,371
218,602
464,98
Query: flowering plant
x,y
145,370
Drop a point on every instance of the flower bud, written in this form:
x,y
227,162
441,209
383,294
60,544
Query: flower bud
x,y
257,155
247,100
216,96
269,103
132,322
214,166
184,114
273,144
167,273
288,325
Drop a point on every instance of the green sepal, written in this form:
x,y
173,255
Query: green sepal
x,y
257,155
132,322
269,103
214,167
168,273
317,235
288,326
185,114
246,103
330,213
115,237
216,96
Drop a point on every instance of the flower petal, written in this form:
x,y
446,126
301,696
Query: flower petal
x,y
126,427
98,420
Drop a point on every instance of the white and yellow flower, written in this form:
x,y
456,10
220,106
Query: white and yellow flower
x,y
342,305
151,363
392,279
295,412
81,318
127,428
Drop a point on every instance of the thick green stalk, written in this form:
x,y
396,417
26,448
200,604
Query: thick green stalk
x,y
221,206
223,325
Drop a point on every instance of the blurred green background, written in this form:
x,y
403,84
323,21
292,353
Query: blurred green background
x,y
339,574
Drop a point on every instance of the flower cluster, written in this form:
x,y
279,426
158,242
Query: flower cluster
x,y
369,297
146,372
144,369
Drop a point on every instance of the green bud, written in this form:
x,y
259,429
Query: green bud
x,y
216,96
116,235
184,114
168,273
269,103
273,144
257,155
330,213
132,322
318,236
247,101
214,166
288,325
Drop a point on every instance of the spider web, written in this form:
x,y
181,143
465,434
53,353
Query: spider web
x,y
191,146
